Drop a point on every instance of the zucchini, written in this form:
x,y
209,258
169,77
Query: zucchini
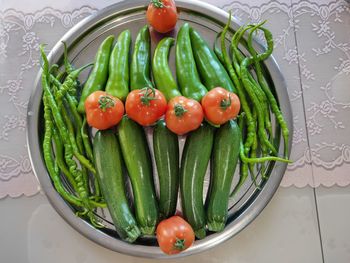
x,y
138,162
223,165
166,154
194,163
109,166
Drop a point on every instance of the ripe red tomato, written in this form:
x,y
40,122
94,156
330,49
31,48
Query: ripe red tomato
x,y
183,115
220,106
162,15
174,235
103,111
145,106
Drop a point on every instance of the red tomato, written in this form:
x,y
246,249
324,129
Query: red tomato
x,y
174,235
162,15
145,106
220,106
103,111
183,115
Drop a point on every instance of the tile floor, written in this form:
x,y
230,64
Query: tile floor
x,y
286,231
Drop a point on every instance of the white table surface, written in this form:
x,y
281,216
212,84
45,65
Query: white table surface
x,y
299,225
287,231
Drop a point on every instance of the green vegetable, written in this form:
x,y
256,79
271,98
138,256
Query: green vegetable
x,y
166,153
109,166
138,162
141,60
118,80
212,72
194,163
70,148
186,70
264,86
161,71
59,156
49,161
99,74
249,88
223,165
255,115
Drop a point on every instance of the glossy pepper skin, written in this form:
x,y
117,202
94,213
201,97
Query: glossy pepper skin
x,y
163,77
186,70
118,79
211,71
141,60
99,74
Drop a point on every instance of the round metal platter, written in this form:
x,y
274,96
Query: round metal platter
x,y
83,41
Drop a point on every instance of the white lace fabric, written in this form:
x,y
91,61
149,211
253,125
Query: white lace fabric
x,y
312,47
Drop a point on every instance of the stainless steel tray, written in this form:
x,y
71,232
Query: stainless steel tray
x,y
83,41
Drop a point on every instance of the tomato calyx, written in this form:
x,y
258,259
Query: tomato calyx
x,y
225,103
179,244
105,102
148,94
179,110
157,3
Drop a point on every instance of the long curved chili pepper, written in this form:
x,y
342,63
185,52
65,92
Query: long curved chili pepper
x,y
251,130
263,83
59,154
256,102
50,164
69,83
81,135
52,105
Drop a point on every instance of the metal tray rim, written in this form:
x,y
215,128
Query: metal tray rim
x,y
252,211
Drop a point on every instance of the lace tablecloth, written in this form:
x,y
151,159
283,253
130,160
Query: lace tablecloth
x,y
312,47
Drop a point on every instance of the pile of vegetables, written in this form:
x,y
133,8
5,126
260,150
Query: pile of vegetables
x,y
214,88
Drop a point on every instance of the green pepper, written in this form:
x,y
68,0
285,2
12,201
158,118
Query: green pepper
x,y
141,60
99,74
212,72
186,70
161,71
118,79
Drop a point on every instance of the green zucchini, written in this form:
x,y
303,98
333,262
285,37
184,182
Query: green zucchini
x,y
223,165
166,154
109,166
138,162
194,163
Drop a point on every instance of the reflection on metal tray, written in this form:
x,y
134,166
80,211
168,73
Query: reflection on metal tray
x,y
83,41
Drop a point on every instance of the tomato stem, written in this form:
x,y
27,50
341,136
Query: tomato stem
x,y
157,3
225,103
179,244
105,102
179,110
148,94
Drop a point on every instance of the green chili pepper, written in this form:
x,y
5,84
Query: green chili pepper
x,y
69,84
251,122
186,70
77,118
59,156
141,60
69,69
50,163
118,80
263,83
83,142
210,69
99,74
249,87
68,143
161,72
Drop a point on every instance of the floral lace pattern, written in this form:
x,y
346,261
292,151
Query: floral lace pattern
x,y
20,35
310,47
